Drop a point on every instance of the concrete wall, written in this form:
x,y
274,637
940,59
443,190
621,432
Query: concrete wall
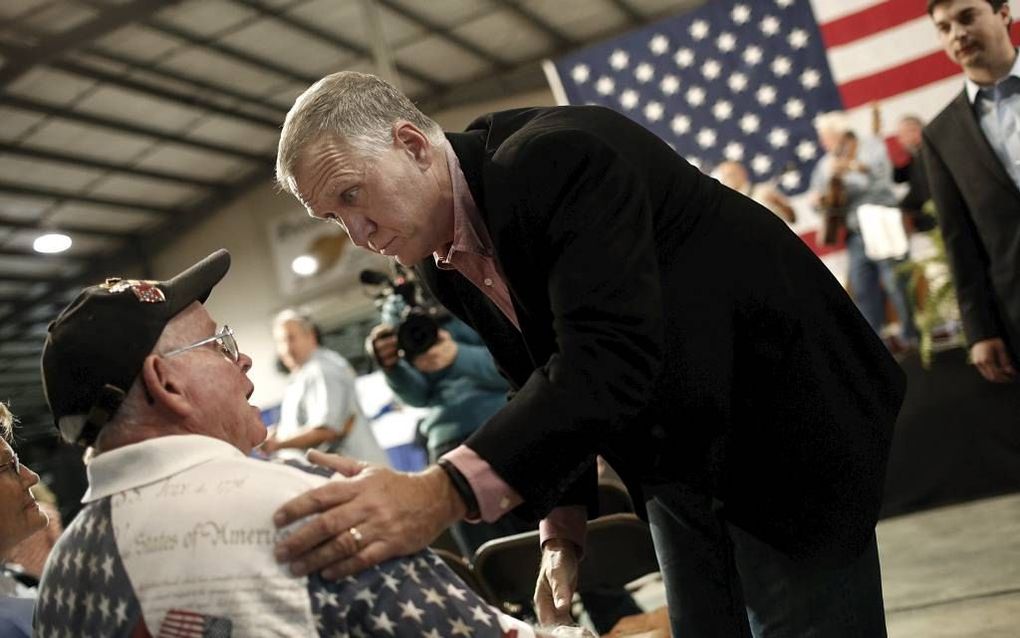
x,y
251,295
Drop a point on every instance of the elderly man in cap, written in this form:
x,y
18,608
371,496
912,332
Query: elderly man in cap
x,y
176,535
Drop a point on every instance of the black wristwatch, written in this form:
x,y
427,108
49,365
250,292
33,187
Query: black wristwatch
x,y
462,486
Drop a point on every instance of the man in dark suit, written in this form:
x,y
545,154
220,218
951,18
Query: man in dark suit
x,y
643,312
972,155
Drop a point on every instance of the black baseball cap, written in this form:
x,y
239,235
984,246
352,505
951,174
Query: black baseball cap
x,y
96,346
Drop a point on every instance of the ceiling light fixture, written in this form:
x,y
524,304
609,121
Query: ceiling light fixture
x,y
51,243
305,265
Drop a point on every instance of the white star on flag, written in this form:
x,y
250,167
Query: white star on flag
x,y
781,66
659,44
605,85
680,124
737,82
695,96
434,597
726,42
455,591
779,137
629,99
699,29
770,25
654,111
741,14
479,614
806,150
644,72
684,58
761,164
790,180
580,73
722,110
810,78
619,59
459,628
734,152
410,610
749,123
794,108
753,55
766,95
382,622
798,38
670,84
711,69
705,138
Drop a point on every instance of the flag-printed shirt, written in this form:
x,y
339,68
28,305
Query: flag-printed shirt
x,y
176,539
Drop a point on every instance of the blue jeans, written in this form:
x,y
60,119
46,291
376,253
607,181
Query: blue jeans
x,y
723,582
872,280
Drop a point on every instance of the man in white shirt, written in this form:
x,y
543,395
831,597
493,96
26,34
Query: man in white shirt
x,y
320,408
177,531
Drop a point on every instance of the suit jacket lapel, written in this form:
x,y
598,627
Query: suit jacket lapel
x,y
980,147
482,177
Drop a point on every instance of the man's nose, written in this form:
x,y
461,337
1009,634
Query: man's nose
x,y
244,361
360,229
28,477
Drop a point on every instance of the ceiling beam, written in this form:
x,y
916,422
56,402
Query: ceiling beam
x,y
560,39
108,20
121,126
168,28
64,227
189,101
321,34
144,66
68,258
443,32
35,191
102,165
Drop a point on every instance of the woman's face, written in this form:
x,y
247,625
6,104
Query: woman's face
x,y
20,515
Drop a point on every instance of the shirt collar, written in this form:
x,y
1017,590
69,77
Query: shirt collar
x,y
467,235
973,88
149,461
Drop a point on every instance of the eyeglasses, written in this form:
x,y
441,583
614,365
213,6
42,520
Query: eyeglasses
x,y
14,464
224,341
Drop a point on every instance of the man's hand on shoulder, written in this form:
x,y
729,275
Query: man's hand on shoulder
x,y
993,361
368,515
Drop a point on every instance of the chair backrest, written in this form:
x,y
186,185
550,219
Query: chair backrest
x,y
618,551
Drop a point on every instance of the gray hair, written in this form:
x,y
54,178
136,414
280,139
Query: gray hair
x,y
6,422
833,121
357,108
290,314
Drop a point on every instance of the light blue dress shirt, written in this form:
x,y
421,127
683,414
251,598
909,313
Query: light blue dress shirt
x,y
998,111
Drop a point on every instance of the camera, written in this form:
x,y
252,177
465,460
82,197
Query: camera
x,y
416,319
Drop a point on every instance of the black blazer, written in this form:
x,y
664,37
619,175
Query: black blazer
x,y
674,327
978,206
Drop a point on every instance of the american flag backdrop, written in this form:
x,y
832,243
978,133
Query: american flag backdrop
x,y
743,79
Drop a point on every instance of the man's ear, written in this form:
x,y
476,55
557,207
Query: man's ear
x,y
410,138
162,384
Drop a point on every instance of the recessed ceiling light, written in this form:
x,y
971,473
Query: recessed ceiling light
x,y
51,243
305,265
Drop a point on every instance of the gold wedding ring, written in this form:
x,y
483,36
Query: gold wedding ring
x,y
356,535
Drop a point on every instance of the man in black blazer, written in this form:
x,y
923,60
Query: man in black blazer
x,y
972,155
642,312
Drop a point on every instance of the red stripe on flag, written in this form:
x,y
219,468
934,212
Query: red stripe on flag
x,y
870,21
898,79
